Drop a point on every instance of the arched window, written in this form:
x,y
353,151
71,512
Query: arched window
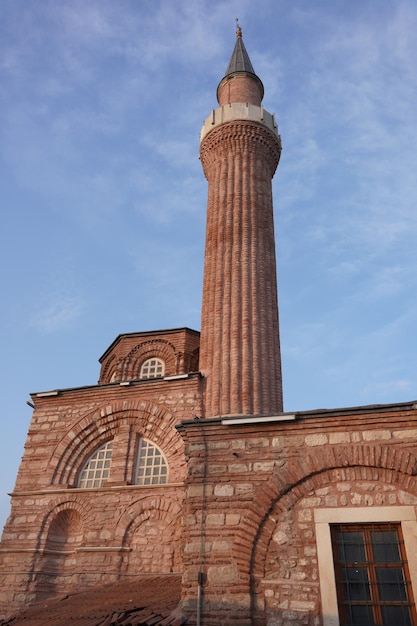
x,y
151,467
96,471
152,368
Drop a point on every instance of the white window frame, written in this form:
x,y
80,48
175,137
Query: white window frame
x,y
146,363
323,518
97,473
143,449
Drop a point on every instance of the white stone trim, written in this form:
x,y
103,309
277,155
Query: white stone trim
x,y
286,417
405,515
238,111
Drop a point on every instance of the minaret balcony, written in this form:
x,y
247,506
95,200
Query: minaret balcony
x,y
238,111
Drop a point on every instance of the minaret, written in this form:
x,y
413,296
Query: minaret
x,y
240,148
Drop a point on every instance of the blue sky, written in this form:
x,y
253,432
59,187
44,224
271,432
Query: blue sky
x,y
103,198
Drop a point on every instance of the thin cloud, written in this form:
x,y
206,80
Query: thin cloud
x,y
360,102
100,113
56,315
386,389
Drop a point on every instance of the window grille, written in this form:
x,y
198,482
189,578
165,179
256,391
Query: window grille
x,y
372,578
96,471
152,368
152,468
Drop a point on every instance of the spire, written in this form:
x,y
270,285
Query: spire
x,y
240,61
240,66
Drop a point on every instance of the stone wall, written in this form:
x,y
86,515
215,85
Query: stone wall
x,y
59,536
251,498
238,516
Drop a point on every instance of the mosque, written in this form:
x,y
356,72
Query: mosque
x,y
177,490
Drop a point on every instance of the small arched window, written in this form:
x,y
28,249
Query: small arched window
x,y
96,471
152,368
151,467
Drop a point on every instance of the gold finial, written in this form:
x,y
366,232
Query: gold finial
x,y
238,29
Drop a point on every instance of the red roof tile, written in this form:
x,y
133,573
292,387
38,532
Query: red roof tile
x,y
147,601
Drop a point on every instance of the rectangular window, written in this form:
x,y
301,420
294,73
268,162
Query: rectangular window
x,y
372,578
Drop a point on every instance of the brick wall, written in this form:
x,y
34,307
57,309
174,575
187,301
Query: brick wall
x,y
178,348
240,88
239,349
251,496
59,537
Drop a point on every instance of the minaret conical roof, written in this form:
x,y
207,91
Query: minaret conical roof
x,y
240,63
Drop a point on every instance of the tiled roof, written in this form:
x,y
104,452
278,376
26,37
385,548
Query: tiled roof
x,y
146,600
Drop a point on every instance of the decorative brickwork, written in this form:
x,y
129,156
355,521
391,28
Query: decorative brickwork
x,y
240,354
60,537
250,495
177,348
127,420
240,351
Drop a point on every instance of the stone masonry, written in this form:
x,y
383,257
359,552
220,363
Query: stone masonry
x,y
250,493
60,537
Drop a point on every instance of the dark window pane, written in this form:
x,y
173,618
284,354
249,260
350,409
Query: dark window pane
x,y
360,616
355,583
396,615
385,546
391,584
351,547
371,573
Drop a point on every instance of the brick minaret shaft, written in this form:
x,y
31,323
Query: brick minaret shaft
x,y
239,347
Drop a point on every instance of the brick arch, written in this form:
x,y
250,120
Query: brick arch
x,y
195,360
65,506
65,531
159,348
150,529
311,470
311,484
102,424
283,513
142,510
107,369
61,533
128,367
